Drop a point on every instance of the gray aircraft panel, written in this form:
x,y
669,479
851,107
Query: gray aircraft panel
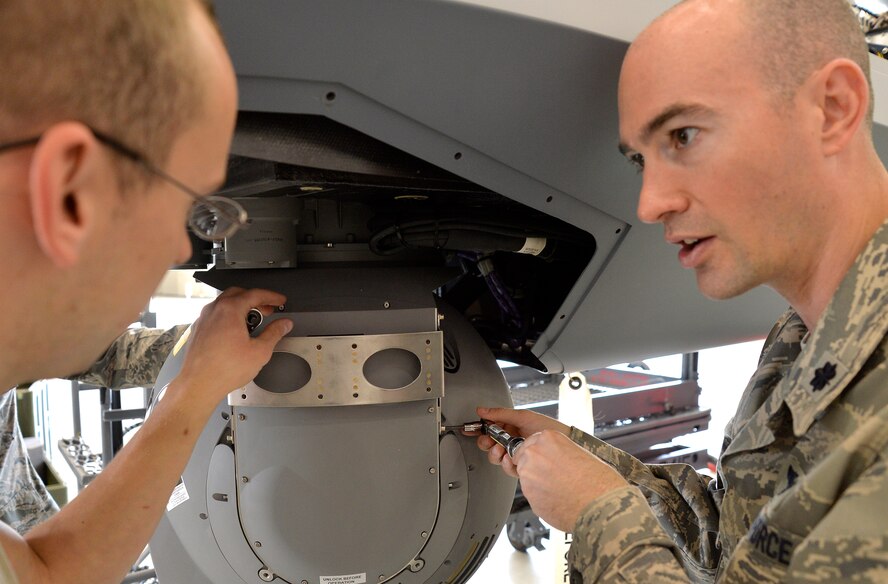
x,y
526,93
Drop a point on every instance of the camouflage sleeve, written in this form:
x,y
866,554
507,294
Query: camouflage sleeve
x,y
617,539
133,360
675,497
24,500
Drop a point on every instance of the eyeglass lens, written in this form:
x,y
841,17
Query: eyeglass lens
x,y
214,218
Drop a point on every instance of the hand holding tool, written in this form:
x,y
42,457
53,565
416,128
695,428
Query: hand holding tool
x,y
503,438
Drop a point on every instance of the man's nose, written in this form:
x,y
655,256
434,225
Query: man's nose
x,y
660,196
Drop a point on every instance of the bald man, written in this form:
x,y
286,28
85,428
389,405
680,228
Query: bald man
x,y
116,120
751,121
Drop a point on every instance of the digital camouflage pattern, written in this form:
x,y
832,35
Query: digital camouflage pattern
x,y
24,501
133,360
801,493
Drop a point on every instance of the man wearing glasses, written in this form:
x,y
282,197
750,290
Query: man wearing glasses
x,y
114,118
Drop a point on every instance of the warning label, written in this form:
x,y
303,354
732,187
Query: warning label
x,y
179,496
349,579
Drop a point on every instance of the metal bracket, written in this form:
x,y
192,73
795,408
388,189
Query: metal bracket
x,y
339,371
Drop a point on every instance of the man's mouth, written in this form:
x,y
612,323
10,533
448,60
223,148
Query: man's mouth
x,y
692,251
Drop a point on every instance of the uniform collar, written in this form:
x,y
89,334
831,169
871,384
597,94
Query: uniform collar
x,y
853,324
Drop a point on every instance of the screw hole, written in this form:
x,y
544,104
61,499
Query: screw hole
x,y
619,231
243,396
457,156
319,347
331,96
561,317
320,396
354,395
549,199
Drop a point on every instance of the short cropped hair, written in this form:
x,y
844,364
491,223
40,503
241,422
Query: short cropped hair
x,y
124,67
794,38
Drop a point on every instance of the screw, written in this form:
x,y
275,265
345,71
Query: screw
x,y
431,409
241,417
386,304
425,534
257,544
432,470
245,480
266,575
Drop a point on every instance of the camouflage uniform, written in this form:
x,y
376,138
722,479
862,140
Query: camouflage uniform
x,y
802,488
133,360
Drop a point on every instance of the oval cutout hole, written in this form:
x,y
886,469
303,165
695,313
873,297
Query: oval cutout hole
x,y
284,373
392,368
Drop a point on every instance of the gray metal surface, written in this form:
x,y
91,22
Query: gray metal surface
x,y
222,508
344,371
268,240
360,460
526,95
326,492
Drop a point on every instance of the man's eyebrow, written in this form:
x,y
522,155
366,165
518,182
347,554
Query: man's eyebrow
x,y
673,111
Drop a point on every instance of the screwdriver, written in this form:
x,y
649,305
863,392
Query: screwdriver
x,y
503,438
500,436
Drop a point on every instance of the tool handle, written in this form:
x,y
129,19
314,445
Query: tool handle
x,y
513,445
504,439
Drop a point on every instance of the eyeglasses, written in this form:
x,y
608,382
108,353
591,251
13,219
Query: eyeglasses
x,y
212,217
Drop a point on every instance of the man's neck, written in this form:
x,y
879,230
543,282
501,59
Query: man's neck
x,y
810,291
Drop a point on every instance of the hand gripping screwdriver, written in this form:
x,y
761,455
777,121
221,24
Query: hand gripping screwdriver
x,y
503,438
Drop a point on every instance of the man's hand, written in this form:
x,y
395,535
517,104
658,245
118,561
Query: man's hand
x,y
517,423
124,503
222,355
560,478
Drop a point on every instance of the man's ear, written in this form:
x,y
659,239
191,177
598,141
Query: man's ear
x,y
63,181
844,99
